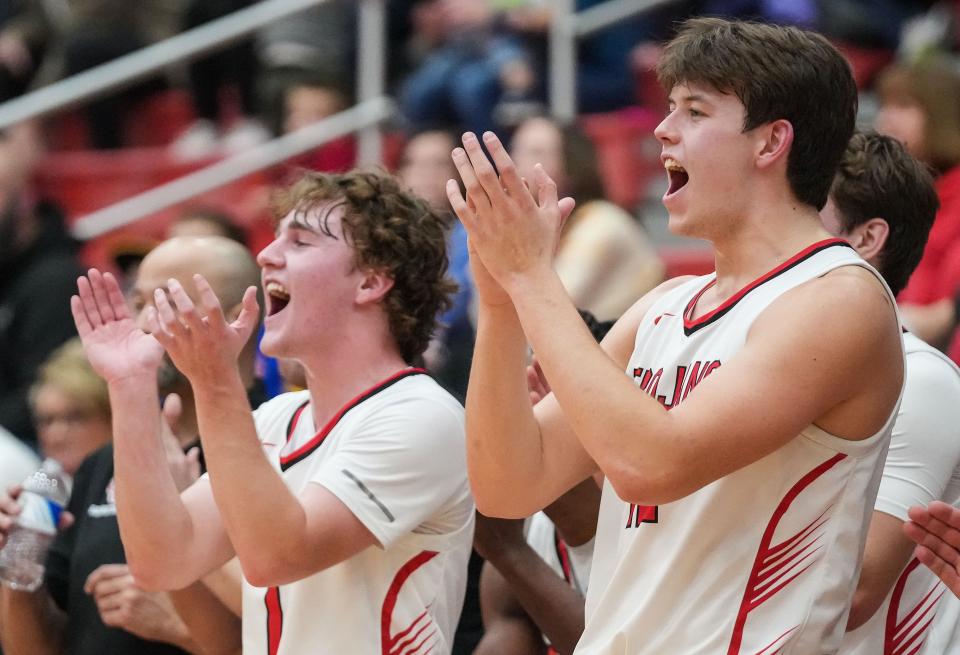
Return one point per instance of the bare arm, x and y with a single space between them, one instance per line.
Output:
170 541
308 533
211 624
837 336
30 624
887 552
507 630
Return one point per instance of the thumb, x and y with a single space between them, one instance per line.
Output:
566 205
249 313
193 463
172 410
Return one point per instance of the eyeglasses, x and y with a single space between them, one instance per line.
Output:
71 419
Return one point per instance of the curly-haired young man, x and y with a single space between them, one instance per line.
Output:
742 449
347 503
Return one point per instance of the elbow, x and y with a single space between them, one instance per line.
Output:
640 487
862 609
500 509
271 570
149 577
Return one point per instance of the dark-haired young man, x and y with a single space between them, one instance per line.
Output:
734 522
883 202
347 503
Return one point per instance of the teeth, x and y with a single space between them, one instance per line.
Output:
276 289
672 164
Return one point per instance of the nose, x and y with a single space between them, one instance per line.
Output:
270 255
666 131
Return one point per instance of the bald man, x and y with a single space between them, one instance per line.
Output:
90 603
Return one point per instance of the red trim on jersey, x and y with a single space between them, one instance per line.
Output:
564 556
274 619
286 461
761 583
895 633
390 645
292 425
691 325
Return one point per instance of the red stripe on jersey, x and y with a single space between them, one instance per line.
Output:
286 461
274 619
564 556
765 581
899 637
389 644
292 425
690 325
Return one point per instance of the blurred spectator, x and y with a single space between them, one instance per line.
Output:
82 34
16 460
311 97
37 261
425 167
210 76
461 81
90 604
71 407
311 48
802 13
918 106
605 260
206 222
22 45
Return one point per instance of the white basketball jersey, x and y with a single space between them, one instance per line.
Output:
395 456
923 465
761 561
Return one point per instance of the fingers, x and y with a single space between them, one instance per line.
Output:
115 297
249 314
186 313
546 187
940 568
193 463
104 573
566 205
477 200
66 520
484 172
80 317
509 177
100 295
172 411
208 299
89 303
459 204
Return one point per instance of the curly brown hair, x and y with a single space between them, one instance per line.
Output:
390 230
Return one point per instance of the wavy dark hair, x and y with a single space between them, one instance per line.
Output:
389 230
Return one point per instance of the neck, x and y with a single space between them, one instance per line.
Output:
762 242
337 375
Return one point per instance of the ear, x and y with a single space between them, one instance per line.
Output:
870 238
374 286
774 142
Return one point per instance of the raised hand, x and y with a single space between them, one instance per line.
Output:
936 530
122 604
512 231
10 510
199 340
184 467
115 346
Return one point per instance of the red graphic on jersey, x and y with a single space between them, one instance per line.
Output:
274 619
685 378
415 636
907 636
777 565
642 514
656 321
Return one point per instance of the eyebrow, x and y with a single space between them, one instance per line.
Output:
693 97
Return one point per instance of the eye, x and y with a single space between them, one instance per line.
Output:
696 113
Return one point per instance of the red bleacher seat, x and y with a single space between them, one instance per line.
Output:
627 150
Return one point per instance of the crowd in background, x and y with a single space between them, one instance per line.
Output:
454 65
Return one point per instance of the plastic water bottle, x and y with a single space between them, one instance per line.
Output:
45 494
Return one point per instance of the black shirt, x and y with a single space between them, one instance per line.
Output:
93 540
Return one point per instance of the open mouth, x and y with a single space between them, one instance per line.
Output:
677 176
277 297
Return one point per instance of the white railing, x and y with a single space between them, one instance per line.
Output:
566 28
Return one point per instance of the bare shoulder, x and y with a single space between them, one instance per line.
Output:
619 341
851 298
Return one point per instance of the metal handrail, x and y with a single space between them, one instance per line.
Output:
370 112
135 66
569 25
